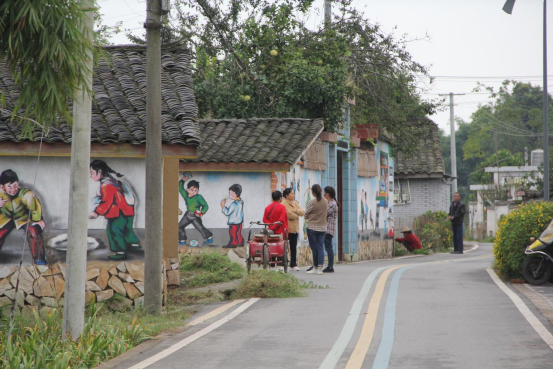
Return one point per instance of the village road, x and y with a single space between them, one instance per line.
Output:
439 311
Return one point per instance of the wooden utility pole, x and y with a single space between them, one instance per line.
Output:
153 284
73 310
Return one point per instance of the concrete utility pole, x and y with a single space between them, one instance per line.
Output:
452 137
73 310
328 11
153 284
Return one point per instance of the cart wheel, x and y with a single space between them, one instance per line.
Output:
265 256
285 257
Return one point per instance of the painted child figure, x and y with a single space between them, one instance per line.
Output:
21 208
196 207
234 210
115 202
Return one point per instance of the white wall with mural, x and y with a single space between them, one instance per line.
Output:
116 207
375 199
219 212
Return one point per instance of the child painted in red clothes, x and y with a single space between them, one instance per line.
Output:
409 240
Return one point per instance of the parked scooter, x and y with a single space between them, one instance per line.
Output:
538 267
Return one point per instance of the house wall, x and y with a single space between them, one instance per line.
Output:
375 220
214 188
426 194
494 214
52 189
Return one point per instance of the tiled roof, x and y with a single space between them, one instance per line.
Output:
427 159
256 140
119 100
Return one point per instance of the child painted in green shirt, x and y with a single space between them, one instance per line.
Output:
196 207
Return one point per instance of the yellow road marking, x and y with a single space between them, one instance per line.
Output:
358 356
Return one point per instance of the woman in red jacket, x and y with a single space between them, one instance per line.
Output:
116 203
409 240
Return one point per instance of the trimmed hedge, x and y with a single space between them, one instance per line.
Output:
513 235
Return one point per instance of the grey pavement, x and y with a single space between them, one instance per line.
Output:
449 315
545 291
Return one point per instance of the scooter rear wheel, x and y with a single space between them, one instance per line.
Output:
536 270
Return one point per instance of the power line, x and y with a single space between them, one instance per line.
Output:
483 77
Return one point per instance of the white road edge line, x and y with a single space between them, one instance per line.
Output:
188 340
524 310
215 312
476 247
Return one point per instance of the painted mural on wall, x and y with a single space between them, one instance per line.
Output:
233 207
20 209
115 201
217 208
196 208
39 214
375 212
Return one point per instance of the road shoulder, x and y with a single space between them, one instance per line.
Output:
544 306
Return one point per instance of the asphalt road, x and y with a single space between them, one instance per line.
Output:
439 311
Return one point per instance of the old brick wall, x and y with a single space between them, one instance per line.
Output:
426 194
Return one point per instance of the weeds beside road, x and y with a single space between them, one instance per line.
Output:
37 341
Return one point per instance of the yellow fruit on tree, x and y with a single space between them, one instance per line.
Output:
247 98
274 52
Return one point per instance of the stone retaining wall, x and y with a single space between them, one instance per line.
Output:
45 285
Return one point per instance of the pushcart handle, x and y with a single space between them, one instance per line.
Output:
266 224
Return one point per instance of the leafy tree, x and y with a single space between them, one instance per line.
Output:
503 158
259 58
513 121
42 43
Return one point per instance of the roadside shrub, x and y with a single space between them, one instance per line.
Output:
37 342
434 230
269 284
514 231
400 250
208 268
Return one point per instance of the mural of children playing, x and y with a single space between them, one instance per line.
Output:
196 207
20 208
233 208
116 203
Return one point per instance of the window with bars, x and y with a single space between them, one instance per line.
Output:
402 193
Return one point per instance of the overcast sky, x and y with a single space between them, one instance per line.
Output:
469 41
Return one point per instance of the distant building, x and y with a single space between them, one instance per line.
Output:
509 187
420 180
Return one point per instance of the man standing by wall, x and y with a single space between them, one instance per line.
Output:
457 212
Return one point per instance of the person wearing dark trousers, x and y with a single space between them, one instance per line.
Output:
315 217
294 212
457 212
331 217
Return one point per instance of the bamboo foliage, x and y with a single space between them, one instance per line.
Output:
42 43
